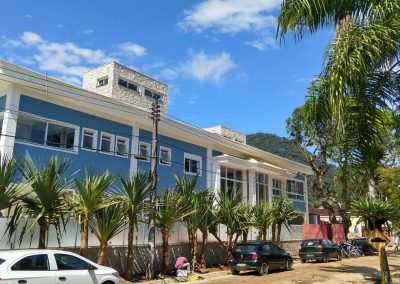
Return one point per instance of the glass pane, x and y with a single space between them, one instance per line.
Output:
39 262
30 130
239 175
193 166
123 83
230 173
122 147
144 150
69 262
87 140
187 165
60 136
223 171
165 158
105 144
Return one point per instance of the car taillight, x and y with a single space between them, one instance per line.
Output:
255 256
320 247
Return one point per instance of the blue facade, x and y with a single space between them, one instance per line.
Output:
178 149
93 161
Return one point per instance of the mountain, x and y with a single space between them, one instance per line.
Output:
274 144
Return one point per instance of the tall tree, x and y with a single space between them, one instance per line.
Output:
134 192
47 199
90 196
262 218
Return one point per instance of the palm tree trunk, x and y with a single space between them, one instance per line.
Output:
191 242
195 250
129 262
42 233
278 235
264 234
165 255
83 251
202 263
101 257
273 228
229 238
245 234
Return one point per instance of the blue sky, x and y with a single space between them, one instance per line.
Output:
220 58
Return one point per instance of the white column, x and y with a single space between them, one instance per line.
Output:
306 199
9 127
252 187
209 168
134 149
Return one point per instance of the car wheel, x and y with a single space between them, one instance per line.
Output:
325 259
108 282
235 272
302 260
289 264
263 270
339 256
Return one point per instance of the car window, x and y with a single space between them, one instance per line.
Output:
38 262
326 243
275 249
69 262
245 248
309 243
1 261
266 248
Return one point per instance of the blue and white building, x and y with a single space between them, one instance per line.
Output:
106 123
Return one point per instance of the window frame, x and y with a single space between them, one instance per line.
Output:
73 256
112 143
128 82
170 156
266 187
101 80
126 139
295 195
280 189
235 179
193 158
95 138
46 121
31 255
149 151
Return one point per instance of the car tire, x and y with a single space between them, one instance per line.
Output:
235 272
339 256
302 260
289 265
325 259
108 282
263 270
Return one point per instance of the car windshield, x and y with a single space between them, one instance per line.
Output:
246 248
309 243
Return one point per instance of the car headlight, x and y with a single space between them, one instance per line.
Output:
116 274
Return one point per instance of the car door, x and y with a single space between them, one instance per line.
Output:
31 269
72 270
279 260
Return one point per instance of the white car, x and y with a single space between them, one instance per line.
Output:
52 267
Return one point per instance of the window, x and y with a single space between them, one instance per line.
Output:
192 164
36 131
69 262
165 156
60 136
152 94
102 82
261 187
121 148
144 150
89 139
231 181
39 262
127 84
107 143
276 187
295 189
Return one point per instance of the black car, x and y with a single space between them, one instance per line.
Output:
364 246
319 249
259 256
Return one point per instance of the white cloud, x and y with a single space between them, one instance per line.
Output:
9 43
31 38
132 49
169 73
264 43
206 67
230 16
87 31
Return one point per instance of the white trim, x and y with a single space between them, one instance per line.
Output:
194 158
147 160
126 140
133 165
112 143
170 156
95 141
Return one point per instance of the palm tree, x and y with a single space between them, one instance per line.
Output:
47 199
106 224
262 218
10 191
283 211
206 223
172 208
134 191
185 187
90 196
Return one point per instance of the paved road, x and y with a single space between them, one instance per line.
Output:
355 270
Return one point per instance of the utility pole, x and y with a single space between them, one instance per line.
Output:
151 240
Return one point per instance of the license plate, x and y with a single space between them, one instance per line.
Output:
310 255
241 264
